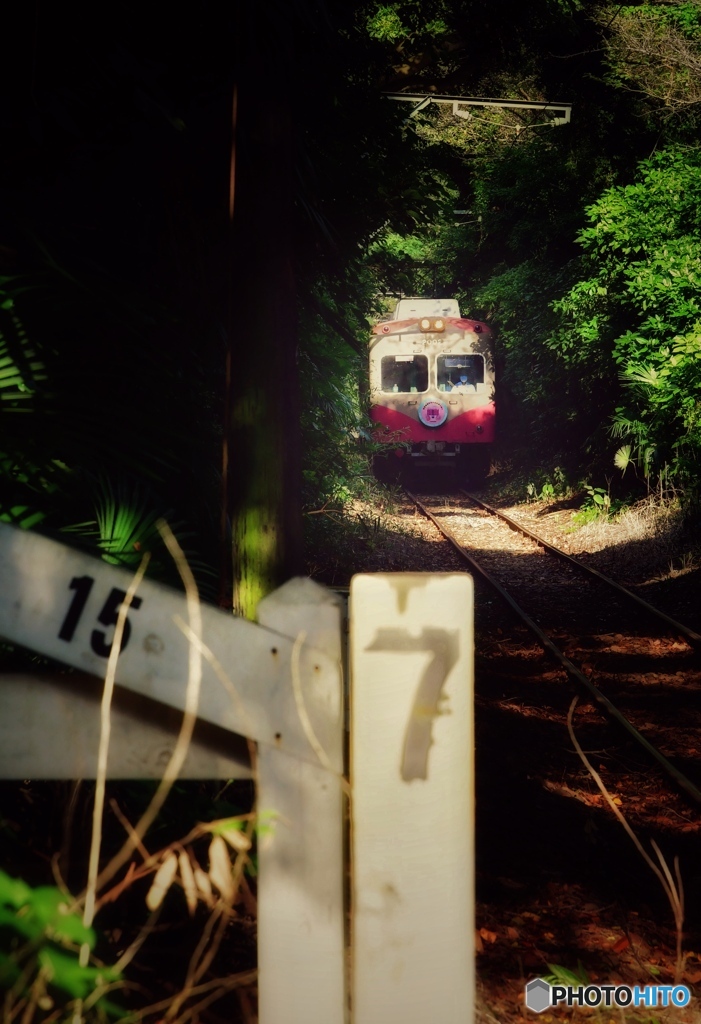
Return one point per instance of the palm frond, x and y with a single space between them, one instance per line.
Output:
622 458
125 521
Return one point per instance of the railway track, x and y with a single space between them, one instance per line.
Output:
607 639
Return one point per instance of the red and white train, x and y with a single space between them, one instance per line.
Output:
432 389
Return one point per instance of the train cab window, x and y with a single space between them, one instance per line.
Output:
404 373
460 373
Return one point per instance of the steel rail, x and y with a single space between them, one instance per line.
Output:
562 658
693 638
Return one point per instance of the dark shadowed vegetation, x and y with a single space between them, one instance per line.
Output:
201 217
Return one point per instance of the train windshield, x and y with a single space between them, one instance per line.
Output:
461 371
405 373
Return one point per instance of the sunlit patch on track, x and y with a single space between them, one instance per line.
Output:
585 622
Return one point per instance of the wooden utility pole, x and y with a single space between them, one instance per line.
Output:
262 446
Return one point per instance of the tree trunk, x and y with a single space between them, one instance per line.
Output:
264 436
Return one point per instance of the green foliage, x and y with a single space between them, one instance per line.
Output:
20 369
547 485
405 21
21 373
597 505
637 315
386 24
622 458
334 430
686 16
36 912
564 976
40 940
598 497
338 446
589 513
69 446
125 528
412 263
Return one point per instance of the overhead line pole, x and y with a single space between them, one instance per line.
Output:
561 111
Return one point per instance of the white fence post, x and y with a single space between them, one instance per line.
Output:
301 941
412 828
63 603
412 858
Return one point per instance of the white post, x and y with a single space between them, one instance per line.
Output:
301 944
412 827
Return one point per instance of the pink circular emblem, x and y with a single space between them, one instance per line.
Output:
433 413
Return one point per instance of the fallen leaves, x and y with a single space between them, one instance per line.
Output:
220 868
584 797
558 925
162 881
197 884
187 877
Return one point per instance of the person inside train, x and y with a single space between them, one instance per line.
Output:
465 385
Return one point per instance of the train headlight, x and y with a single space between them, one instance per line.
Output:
427 323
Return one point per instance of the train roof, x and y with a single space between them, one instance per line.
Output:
407 309
397 328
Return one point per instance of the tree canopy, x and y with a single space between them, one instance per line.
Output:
141 326
201 215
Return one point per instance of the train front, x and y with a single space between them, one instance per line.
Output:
432 388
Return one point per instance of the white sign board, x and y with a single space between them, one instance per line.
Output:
412 817
64 604
281 692
50 729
